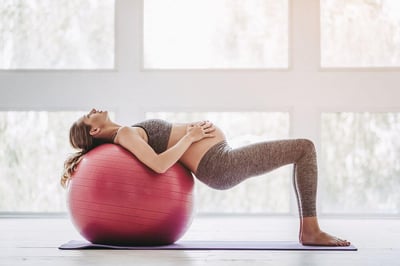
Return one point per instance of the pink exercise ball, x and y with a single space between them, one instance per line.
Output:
115 199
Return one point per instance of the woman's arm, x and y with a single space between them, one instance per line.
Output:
160 163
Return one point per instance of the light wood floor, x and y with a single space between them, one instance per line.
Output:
35 241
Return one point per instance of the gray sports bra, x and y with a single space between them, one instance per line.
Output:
158 132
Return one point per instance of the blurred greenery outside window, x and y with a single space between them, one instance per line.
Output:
241 34
360 33
62 34
360 166
34 145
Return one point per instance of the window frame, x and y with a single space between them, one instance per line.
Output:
305 89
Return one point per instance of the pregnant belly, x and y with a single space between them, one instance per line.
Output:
192 157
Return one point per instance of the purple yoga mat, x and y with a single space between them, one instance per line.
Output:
210 245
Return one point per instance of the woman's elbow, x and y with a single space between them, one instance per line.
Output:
159 169
159 166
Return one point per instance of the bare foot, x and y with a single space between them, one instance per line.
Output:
321 238
312 235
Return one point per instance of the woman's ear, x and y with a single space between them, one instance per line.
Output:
94 131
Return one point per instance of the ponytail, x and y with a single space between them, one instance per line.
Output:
80 139
70 165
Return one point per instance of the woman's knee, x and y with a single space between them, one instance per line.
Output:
307 145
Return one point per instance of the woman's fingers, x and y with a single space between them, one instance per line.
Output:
204 129
207 124
209 129
203 123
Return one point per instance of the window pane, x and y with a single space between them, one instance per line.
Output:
360 163
269 193
190 34
34 146
360 33
62 34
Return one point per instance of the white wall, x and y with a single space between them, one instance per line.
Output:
304 89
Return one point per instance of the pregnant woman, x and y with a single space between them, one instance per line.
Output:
203 149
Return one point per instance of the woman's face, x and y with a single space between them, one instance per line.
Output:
95 118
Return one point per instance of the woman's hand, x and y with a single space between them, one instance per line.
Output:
200 130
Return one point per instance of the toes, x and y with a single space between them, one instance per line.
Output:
341 242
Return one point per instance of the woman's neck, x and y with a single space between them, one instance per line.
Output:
109 132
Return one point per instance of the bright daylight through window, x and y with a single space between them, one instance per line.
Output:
34 146
360 163
62 34
212 34
360 33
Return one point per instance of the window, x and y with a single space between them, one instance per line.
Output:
360 163
360 33
62 34
34 146
209 34
270 193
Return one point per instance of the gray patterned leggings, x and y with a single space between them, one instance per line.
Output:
223 167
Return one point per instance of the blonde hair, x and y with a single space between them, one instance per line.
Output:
80 139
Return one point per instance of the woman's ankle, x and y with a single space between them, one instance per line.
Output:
310 225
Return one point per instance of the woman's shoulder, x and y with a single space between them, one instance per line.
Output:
128 132
124 130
